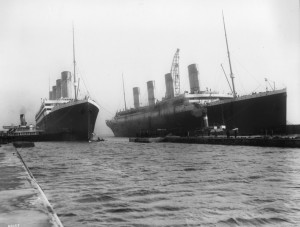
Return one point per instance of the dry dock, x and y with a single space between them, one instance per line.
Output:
22 201
261 141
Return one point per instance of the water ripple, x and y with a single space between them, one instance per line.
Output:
117 183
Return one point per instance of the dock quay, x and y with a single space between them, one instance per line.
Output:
262 141
22 201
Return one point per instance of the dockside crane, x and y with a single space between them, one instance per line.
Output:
175 73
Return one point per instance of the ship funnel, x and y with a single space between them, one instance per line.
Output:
58 89
151 92
22 120
54 92
169 86
136 97
50 95
193 78
66 84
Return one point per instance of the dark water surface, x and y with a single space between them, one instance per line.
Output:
117 183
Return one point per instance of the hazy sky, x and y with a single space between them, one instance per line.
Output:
139 38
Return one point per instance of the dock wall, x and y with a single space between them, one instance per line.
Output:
240 141
23 203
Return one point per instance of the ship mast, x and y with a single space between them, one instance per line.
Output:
231 73
124 92
74 65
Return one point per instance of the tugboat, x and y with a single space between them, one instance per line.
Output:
21 132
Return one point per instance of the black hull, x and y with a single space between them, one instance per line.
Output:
73 122
177 124
252 115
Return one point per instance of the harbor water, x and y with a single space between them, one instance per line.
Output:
118 183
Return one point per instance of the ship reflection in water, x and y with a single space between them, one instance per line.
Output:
117 183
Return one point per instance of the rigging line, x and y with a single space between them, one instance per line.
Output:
87 88
106 110
91 93
240 82
94 98
102 107
256 88
84 83
226 78
236 59
81 75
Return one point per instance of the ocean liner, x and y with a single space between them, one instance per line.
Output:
197 110
64 116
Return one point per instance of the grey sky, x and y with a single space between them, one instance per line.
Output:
139 38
